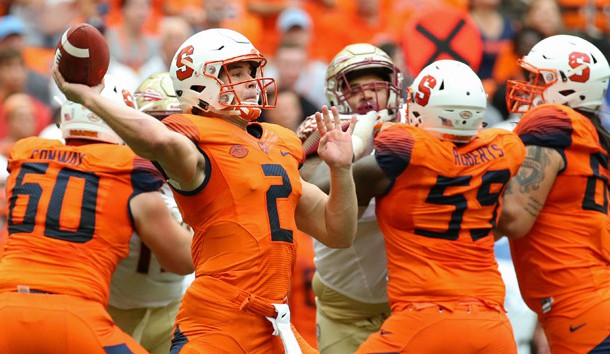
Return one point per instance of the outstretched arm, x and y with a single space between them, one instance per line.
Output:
145 135
526 193
338 209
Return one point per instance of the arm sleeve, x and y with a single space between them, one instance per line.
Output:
546 126
145 177
393 149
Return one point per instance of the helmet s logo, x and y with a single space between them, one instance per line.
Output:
422 95
184 71
579 61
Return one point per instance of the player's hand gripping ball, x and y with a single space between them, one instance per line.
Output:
82 55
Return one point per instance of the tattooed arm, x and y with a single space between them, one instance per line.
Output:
527 191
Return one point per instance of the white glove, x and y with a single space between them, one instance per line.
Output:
362 137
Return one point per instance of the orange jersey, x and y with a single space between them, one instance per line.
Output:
69 219
567 251
243 215
438 215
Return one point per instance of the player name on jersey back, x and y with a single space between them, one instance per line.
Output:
478 156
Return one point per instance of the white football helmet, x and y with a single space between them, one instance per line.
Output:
447 99
358 59
563 69
156 96
78 122
198 63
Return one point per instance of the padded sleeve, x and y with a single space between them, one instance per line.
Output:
393 150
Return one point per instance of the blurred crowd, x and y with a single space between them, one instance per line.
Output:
299 38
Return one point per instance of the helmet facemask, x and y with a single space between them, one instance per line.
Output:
358 60
348 91
521 95
228 97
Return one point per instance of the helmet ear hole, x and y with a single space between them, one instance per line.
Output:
197 88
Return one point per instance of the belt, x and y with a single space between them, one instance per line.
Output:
244 300
22 289
460 304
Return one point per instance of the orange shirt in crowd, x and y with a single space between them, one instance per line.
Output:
574 14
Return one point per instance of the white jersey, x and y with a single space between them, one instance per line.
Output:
360 271
139 281
508 124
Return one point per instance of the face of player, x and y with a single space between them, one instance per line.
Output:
368 92
241 77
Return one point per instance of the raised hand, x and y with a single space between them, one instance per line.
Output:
76 93
335 146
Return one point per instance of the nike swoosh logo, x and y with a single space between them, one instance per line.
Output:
576 328
284 153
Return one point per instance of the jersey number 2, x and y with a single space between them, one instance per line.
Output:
33 191
277 191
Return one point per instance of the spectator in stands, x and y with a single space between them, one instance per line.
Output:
13 80
293 69
545 16
128 43
12 30
173 31
20 116
290 109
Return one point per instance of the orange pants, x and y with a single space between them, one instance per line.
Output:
423 329
50 323
210 321
587 332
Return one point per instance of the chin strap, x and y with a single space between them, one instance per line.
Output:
249 113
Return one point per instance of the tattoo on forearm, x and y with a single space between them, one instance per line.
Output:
533 206
531 173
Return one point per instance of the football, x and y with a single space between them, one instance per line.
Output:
82 55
